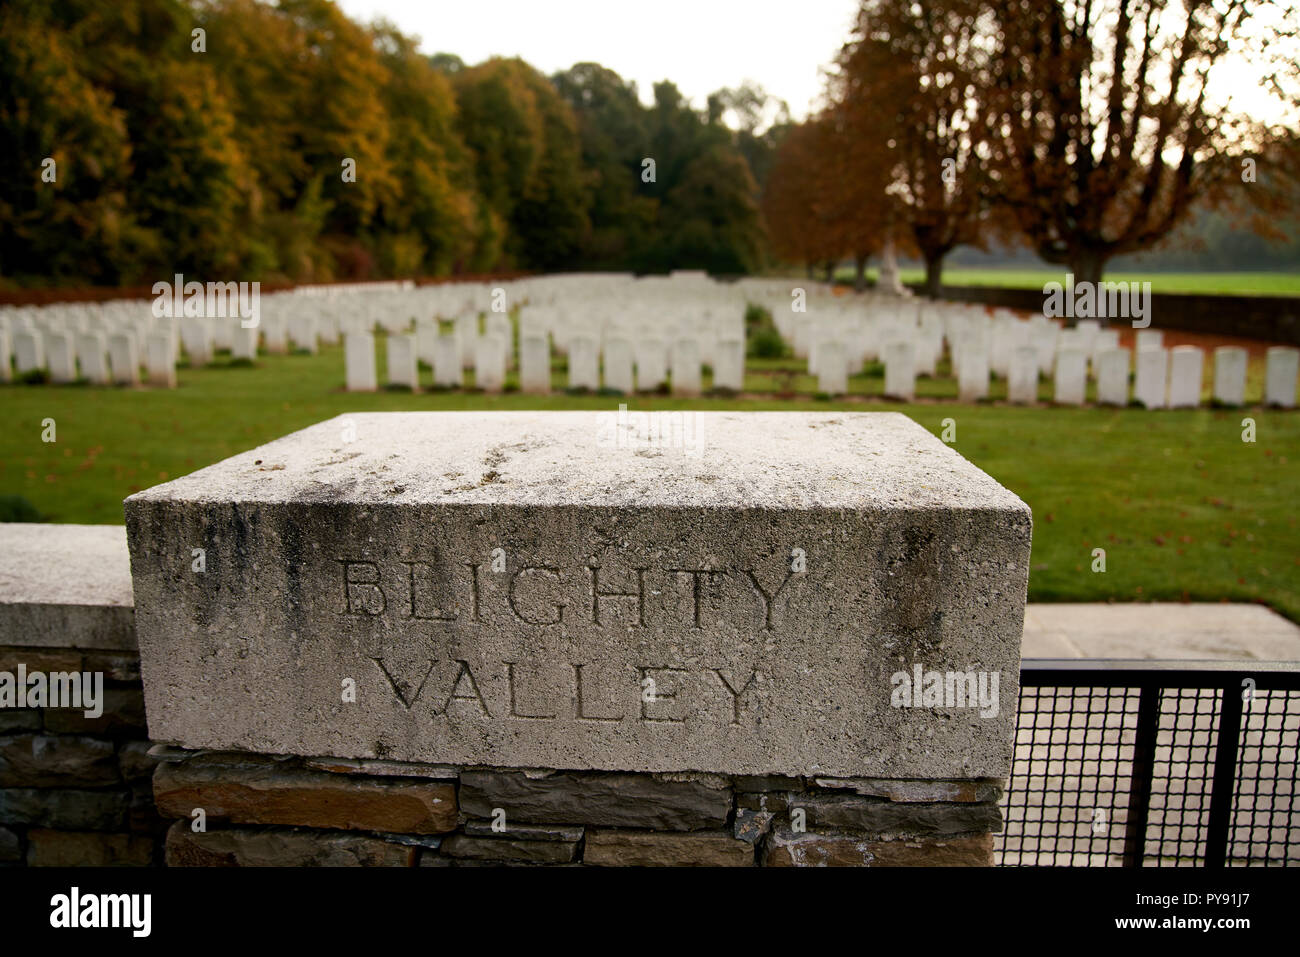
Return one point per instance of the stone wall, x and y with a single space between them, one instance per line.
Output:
264 810
74 790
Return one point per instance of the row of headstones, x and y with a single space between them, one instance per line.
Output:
1162 378
628 366
97 357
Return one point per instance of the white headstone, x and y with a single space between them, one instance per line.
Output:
686 367
584 369
448 373
1071 377
196 337
651 364
489 363
832 373
302 333
160 359
973 376
1230 375
1104 339
243 343
729 365
275 335
402 368
534 363
1149 382
618 365
1112 377
359 362
92 354
1185 377
6 355
61 357
1280 376
900 369
29 351
1022 375
123 358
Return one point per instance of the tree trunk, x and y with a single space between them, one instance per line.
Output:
809 267
934 275
830 272
859 273
1087 266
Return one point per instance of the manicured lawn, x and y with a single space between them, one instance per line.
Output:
1224 283
1183 507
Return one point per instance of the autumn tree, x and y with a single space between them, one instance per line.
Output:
1114 119
911 79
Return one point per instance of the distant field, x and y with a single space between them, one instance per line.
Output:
1211 283
1183 507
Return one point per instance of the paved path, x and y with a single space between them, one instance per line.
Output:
1218 632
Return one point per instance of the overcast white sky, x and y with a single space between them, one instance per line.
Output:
701 45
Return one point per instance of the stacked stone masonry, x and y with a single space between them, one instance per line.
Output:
233 809
75 790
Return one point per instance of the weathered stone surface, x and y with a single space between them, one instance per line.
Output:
241 847
261 794
526 832
123 715
509 849
43 761
11 850
787 849
65 586
609 800
877 816
70 810
87 849
373 560
965 792
642 849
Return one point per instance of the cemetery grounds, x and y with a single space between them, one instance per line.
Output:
1183 507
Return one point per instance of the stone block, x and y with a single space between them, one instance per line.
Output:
46 848
642 849
501 591
65 586
240 847
276 794
607 800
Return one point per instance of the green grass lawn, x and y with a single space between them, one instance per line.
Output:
1214 283
1183 507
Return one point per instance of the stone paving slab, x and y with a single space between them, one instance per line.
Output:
1168 630
64 586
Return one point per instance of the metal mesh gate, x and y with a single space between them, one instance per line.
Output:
1154 763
